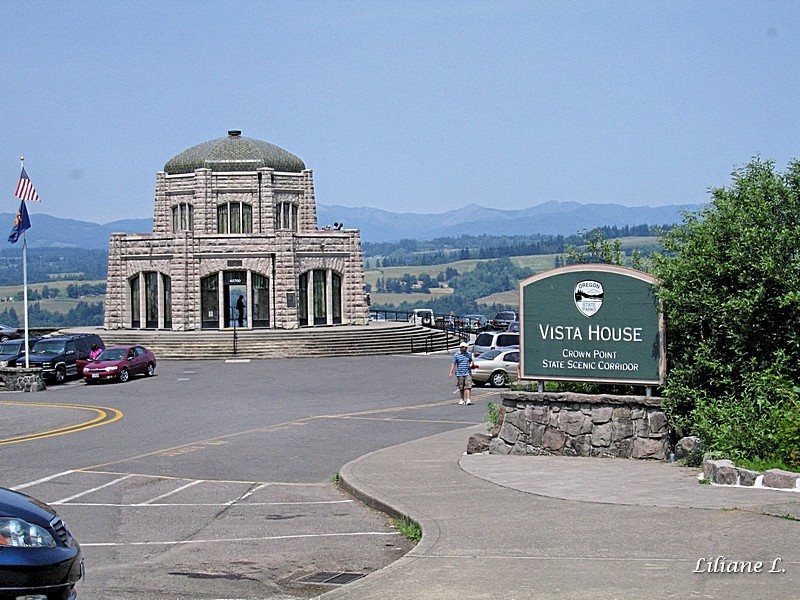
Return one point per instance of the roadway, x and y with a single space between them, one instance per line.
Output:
215 480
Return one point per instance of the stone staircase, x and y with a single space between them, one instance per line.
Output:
345 340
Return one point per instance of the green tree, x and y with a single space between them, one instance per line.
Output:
730 281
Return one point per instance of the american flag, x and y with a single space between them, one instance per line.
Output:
25 189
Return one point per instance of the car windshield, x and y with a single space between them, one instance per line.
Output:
49 347
488 355
113 354
10 347
508 316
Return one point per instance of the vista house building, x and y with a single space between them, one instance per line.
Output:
235 218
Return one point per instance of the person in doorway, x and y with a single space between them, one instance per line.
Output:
462 366
240 310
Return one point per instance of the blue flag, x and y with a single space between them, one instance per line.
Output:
21 224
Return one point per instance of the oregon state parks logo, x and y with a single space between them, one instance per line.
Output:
589 297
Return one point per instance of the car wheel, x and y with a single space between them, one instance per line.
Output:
124 375
498 379
61 375
151 370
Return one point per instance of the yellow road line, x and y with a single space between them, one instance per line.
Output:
104 416
199 444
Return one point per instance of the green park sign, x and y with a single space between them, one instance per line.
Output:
592 323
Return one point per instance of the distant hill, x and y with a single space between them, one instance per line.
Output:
550 218
376 225
54 232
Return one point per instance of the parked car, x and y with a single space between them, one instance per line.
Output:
490 340
475 323
12 352
120 363
39 557
496 367
502 319
421 316
7 332
513 327
63 357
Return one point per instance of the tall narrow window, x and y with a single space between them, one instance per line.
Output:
209 301
183 217
234 217
167 302
260 301
336 297
134 286
302 299
320 298
286 214
151 299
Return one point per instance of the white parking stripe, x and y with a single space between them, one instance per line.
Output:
229 503
42 480
247 539
100 487
183 487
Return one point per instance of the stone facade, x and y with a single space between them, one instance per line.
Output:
218 234
542 423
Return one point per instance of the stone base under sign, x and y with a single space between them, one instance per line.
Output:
563 423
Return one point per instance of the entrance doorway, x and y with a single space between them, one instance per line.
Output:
235 298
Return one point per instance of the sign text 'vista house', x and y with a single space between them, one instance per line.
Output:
592 323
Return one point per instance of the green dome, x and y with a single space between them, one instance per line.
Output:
234 153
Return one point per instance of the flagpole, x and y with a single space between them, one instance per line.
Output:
25 280
25 292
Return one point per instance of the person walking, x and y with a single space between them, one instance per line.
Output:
461 366
240 310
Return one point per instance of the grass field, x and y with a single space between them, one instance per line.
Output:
62 304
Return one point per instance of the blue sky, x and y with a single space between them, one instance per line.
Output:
409 106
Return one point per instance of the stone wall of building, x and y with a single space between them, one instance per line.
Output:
187 257
280 255
541 423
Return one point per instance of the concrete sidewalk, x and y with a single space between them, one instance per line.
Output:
521 528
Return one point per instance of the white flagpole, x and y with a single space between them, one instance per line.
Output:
25 279
25 292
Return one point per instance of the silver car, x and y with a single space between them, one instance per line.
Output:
7 332
496 367
490 340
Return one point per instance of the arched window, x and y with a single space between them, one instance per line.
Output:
183 217
234 217
286 216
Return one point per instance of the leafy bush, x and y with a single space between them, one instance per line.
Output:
730 281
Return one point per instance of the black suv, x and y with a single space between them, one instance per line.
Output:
62 357
502 319
12 352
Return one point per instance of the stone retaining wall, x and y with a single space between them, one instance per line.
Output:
725 472
563 423
22 380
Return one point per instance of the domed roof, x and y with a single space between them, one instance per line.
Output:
234 153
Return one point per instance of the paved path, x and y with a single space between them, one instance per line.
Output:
507 527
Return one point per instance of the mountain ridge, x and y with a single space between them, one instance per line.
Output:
379 225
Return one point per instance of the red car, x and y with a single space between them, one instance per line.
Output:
120 363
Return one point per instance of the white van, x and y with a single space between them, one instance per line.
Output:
421 316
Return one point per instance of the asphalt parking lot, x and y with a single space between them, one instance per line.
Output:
214 480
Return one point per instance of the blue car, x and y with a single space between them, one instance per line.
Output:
39 558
